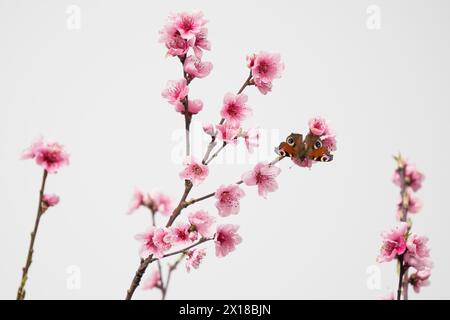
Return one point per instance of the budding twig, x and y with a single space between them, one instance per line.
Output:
40 211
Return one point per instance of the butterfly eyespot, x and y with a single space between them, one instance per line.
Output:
282 153
326 158
317 144
290 141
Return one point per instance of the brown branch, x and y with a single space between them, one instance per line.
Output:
187 115
40 211
181 205
403 270
138 276
187 188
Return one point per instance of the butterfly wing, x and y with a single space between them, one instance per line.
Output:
315 150
293 146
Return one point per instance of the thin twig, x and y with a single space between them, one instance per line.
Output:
212 194
40 211
172 268
216 153
212 143
210 148
199 242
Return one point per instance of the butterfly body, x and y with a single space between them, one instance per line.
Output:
311 147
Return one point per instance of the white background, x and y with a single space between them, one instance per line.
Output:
97 91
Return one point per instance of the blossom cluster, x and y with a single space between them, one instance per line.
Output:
51 156
155 201
185 37
410 249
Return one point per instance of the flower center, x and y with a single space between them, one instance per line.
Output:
51 156
263 68
197 170
187 24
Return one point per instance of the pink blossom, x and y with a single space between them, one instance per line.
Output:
250 60
194 171
263 175
263 87
330 143
226 239
202 222
318 126
153 281
235 109
228 198
201 42
413 177
181 234
176 45
267 67
417 262
176 90
154 241
194 258
136 201
162 240
227 132
420 279
148 245
305 163
251 138
188 24
394 243
208 128
418 246
414 203
34 149
50 200
161 203
194 106
50 156
196 68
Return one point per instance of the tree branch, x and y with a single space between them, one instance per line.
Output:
40 211
403 270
